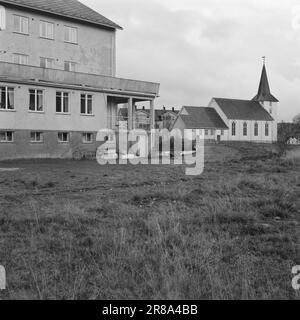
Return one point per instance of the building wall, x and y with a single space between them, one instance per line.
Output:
94 53
250 132
22 148
239 128
23 119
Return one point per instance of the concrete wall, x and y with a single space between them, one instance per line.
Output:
22 119
94 53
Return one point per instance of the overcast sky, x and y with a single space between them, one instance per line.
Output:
199 49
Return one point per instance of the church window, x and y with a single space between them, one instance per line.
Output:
256 129
267 129
233 129
245 129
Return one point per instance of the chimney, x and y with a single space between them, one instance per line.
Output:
173 109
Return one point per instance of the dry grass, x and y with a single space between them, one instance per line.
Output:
74 230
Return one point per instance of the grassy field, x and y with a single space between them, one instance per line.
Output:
76 230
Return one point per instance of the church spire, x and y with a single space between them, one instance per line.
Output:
264 92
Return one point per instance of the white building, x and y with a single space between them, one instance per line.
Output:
241 120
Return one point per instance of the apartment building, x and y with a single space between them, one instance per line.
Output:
58 83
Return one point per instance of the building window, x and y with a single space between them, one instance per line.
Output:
46 30
21 24
46 63
71 34
233 129
270 111
271 104
36 100
267 130
212 132
245 129
7 98
6 136
206 132
62 102
36 137
63 137
70 66
87 137
20 58
256 129
222 132
86 104
2 18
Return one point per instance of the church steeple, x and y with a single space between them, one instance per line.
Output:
264 92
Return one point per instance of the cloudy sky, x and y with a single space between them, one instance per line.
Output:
199 49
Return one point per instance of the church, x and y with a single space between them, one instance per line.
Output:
253 120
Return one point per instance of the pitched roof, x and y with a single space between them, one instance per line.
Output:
202 118
66 8
243 110
264 92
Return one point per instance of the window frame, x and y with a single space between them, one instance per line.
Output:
6 140
87 95
245 129
85 134
267 129
63 141
70 63
21 55
21 18
67 27
36 100
47 23
256 129
35 135
233 129
46 62
7 88
62 97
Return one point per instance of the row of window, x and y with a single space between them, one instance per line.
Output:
38 137
47 63
21 25
36 101
245 129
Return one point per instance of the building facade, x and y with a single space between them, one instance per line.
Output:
253 120
58 83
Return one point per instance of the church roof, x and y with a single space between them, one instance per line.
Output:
264 92
202 118
243 110
66 8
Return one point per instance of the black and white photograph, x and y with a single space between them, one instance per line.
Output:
149 151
